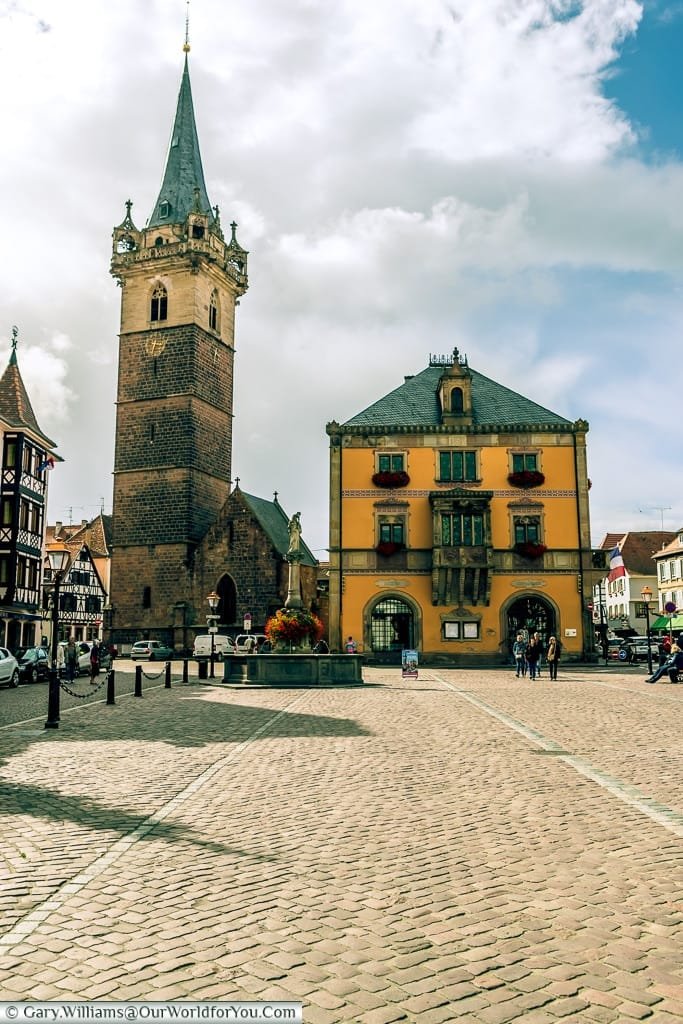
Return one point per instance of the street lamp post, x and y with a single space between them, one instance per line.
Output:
214 601
59 559
646 595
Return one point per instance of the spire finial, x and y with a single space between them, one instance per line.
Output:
186 44
15 340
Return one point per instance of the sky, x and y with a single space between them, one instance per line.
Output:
504 176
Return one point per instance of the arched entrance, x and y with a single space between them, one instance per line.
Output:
392 626
227 606
529 615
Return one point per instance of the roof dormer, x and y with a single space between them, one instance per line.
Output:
454 389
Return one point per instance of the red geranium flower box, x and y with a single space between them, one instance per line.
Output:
397 478
388 547
527 549
526 478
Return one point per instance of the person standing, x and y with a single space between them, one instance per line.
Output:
71 659
533 653
94 661
350 647
552 656
539 641
518 653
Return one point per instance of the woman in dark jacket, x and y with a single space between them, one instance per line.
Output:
533 653
553 656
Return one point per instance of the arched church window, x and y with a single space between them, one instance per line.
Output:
159 305
214 319
158 241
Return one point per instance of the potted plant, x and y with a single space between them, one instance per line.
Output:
530 549
526 478
293 629
391 478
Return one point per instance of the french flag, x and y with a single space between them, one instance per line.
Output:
616 565
48 463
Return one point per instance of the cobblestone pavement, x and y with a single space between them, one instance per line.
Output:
465 846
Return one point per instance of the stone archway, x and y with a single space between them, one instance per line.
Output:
391 625
529 614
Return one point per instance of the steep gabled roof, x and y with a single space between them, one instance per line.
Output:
638 548
184 172
415 404
15 407
275 523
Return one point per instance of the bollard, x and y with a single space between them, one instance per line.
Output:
110 687
203 670
185 670
138 681
167 682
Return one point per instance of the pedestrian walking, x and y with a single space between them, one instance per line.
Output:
552 656
539 641
519 654
533 653
61 661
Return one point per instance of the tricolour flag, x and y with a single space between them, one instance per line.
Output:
616 565
48 463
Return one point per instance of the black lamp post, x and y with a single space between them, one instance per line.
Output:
214 601
646 595
59 559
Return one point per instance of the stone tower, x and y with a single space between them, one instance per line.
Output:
180 282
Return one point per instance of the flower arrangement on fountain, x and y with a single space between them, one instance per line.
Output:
293 628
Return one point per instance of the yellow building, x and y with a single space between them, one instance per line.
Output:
458 516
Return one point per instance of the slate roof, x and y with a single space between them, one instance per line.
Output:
184 170
415 404
275 523
15 407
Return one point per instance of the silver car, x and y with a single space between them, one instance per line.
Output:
9 668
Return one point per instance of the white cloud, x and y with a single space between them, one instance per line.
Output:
408 175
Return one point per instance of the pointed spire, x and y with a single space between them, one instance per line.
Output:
184 173
15 405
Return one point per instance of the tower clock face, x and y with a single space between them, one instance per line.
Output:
155 345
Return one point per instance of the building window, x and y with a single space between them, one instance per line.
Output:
4 570
213 311
10 454
391 533
457 466
462 529
7 509
391 463
527 529
164 209
159 305
457 400
522 461
93 604
146 597
461 631
197 230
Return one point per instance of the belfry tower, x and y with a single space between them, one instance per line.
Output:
180 283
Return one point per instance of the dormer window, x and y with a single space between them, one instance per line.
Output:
164 209
159 304
158 241
457 401
214 319
197 230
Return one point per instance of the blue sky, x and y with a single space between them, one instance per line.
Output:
408 175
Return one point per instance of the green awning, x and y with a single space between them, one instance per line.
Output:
666 621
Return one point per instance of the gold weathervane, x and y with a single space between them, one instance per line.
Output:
186 44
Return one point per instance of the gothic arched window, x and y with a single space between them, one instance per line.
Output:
159 304
214 318
457 400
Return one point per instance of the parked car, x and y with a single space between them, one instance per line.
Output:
201 650
244 642
9 668
34 664
635 648
150 650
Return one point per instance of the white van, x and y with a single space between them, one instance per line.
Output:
221 645
245 642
